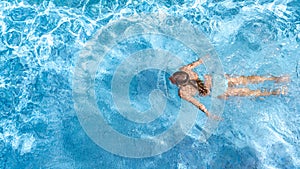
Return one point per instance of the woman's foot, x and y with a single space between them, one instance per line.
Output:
282 91
282 79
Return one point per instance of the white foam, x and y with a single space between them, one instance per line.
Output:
28 142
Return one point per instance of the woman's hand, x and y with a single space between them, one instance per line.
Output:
213 117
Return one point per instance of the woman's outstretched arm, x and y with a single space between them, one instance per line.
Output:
196 103
194 64
199 106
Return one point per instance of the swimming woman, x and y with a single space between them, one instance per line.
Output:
190 85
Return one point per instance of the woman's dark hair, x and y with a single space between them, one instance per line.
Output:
181 77
203 91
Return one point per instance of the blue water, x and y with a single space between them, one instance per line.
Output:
40 42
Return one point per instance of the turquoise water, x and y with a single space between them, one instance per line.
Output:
40 42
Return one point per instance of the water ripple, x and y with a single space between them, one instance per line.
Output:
38 45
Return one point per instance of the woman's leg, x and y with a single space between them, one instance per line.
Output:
244 80
247 92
